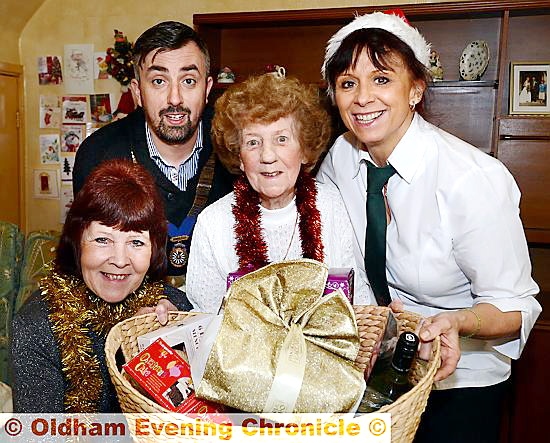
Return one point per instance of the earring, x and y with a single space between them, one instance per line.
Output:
412 105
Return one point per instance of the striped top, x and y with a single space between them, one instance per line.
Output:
187 170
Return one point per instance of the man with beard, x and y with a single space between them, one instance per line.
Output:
168 133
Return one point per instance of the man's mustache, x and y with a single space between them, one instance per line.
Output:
174 110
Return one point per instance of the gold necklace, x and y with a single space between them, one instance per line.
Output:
291 238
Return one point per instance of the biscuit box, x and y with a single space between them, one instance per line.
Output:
338 278
166 376
188 330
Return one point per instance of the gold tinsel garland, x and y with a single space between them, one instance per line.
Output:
74 311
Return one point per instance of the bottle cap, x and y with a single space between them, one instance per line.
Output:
405 350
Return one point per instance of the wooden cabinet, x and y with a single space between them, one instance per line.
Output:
477 111
248 41
524 147
528 411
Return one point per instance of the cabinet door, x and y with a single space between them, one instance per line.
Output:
445 98
527 160
531 390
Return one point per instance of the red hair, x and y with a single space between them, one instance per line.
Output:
118 194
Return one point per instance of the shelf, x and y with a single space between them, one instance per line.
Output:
436 84
465 84
218 85
320 84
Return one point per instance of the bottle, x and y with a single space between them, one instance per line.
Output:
387 383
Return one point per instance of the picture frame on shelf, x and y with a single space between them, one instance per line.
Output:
529 88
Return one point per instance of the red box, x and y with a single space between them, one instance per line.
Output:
167 377
338 278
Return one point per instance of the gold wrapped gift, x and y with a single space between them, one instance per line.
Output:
283 346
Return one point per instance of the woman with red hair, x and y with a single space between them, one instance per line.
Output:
109 266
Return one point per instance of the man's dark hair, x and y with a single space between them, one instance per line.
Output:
167 36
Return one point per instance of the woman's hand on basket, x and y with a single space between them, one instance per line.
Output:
446 327
396 306
161 309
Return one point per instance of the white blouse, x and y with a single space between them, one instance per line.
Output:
455 237
213 254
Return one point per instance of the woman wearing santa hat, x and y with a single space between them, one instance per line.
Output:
450 244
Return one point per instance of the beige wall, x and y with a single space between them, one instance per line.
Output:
9 50
60 22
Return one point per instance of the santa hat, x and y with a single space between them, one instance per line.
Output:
393 21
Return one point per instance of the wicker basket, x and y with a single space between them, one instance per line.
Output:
371 321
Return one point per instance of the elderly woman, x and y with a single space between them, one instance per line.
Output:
454 249
110 264
272 130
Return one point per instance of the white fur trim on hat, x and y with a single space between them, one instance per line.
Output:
389 22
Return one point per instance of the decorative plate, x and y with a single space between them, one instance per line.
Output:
474 60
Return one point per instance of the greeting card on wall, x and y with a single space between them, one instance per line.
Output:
49 70
100 66
75 109
46 183
100 108
71 137
67 166
49 148
50 111
66 197
79 69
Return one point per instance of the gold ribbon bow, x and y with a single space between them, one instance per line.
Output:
283 346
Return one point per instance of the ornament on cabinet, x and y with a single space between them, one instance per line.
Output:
226 75
474 60
276 70
435 66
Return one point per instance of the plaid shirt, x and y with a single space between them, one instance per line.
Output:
186 171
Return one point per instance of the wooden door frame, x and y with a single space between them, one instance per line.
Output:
16 71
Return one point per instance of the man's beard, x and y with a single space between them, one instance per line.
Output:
175 134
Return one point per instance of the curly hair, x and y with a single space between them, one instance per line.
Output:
266 99
122 195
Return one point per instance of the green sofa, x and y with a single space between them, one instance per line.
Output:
23 262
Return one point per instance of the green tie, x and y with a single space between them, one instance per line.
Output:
375 239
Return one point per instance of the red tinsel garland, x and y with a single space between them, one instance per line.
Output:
251 247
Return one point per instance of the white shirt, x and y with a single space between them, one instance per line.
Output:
187 169
213 254
455 237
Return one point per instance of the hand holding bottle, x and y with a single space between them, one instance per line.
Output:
446 327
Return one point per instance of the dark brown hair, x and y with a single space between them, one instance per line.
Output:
266 99
382 47
118 194
167 36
